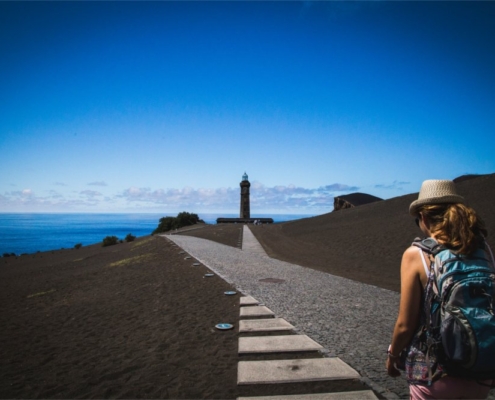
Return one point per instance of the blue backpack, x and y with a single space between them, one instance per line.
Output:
461 326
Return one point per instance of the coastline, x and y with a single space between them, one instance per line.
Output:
29 233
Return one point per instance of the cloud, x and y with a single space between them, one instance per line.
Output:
338 187
264 199
55 195
280 197
27 200
90 193
97 183
395 185
186 197
20 194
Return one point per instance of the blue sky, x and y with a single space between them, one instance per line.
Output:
162 106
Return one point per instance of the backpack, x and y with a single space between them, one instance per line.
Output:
460 320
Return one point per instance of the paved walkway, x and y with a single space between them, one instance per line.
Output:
352 320
285 371
250 243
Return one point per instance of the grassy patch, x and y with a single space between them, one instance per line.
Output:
132 260
41 293
142 242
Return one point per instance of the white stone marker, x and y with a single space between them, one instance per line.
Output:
264 325
249 301
306 370
256 311
358 394
277 344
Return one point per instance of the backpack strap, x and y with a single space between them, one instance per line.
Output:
429 245
423 259
491 253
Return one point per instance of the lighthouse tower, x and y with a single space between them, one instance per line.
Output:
245 208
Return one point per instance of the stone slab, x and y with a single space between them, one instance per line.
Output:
264 325
286 371
277 344
256 311
358 394
249 301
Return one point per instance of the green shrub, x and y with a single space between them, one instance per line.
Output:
110 241
78 246
130 238
183 219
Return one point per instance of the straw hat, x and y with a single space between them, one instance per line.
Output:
435 192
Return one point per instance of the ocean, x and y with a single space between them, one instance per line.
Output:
32 232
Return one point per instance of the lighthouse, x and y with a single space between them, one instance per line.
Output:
245 208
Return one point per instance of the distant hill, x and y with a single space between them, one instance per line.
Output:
463 178
353 200
366 243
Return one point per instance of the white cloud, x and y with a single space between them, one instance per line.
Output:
277 199
281 198
97 183
90 193
55 195
186 197
27 201
395 185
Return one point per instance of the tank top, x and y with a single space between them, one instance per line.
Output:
421 365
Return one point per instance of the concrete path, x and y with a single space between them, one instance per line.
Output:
287 370
306 370
256 311
264 325
359 395
250 243
352 320
277 344
248 301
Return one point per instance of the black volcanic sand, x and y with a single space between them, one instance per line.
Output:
365 243
134 320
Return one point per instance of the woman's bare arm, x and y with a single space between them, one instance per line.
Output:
412 275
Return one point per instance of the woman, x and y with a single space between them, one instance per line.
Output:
442 215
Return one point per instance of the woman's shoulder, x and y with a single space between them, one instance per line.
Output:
411 253
414 263
412 258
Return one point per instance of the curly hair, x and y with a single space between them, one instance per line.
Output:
457 226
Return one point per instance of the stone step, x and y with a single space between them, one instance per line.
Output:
249 301
277 344
264 325
358 394
285 371
256 311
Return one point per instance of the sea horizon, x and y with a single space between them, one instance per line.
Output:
32 232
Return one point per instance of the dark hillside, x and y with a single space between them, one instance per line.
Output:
365 243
